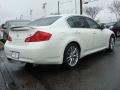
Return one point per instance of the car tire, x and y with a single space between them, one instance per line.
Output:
118 34
111 43
71 55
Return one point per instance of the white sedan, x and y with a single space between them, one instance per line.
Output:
62 39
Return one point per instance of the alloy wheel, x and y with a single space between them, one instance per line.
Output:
72 55
112 43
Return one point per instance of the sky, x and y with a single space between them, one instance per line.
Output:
13 9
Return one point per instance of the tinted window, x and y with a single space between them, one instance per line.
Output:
77 22
117 24
44 21
70 22
92 23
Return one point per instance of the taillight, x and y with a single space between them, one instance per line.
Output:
39 36
9 38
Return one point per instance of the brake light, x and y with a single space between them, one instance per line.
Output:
39 36
9 38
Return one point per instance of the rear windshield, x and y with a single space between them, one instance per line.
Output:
44 21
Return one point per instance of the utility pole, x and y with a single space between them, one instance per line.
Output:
75 7
31 14
21 17
58 8
81 7
44 8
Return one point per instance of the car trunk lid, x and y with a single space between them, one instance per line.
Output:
19 34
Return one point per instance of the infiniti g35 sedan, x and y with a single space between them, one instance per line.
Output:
62 39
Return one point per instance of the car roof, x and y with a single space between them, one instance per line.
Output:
65 15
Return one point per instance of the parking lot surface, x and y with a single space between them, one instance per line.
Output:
99 71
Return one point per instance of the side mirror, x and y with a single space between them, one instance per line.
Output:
102 26
3 26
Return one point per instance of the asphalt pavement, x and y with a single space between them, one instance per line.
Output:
99 71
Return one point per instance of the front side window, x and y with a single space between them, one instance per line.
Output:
92 23
77 22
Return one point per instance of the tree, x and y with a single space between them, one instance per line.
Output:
92 11
115 8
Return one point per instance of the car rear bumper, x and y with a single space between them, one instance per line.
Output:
38 54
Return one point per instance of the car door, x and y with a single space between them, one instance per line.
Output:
99 35
82 32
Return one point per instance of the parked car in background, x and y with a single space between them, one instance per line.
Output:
116 29
109 25
13 23
62 39
1 33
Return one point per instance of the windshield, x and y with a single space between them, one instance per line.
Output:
117 24
44 21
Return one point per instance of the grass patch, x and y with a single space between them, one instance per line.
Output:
1 44
3 41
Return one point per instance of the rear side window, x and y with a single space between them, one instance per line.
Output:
77 22
44 21
92 23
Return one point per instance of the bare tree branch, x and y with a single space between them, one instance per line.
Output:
115 8
92 11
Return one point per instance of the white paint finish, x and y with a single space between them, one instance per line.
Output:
51 52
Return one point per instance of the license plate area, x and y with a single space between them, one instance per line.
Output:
15 55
